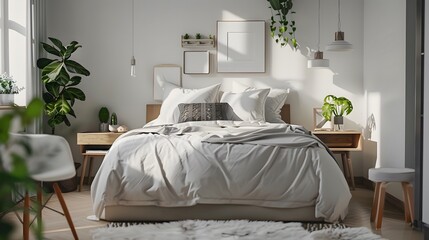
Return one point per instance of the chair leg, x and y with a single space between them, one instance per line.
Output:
65 210
375 201
82 175
408 202
380 205
39 207
26 217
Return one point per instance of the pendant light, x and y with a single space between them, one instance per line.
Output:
318 61
339 45
133 60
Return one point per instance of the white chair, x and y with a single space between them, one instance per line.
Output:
50 161
383 176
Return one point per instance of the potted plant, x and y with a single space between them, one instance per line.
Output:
60 76
186 36
198 36
103 116
8 89
282 25
337 106
113 127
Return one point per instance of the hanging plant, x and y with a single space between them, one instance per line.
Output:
282 25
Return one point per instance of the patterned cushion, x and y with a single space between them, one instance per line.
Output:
202 111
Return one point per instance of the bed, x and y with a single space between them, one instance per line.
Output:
198 170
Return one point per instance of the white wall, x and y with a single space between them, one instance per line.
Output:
103 27
384 83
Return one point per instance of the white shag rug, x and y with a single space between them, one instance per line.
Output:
228 230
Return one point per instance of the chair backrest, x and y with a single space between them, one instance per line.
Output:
50 158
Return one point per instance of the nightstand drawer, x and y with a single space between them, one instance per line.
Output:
99 138
348 140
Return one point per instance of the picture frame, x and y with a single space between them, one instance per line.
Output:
168 73
196 62
319 122
241 46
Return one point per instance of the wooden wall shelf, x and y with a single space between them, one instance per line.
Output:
198 43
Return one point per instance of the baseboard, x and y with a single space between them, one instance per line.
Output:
368 184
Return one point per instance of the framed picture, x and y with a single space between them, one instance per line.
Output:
241 46
196 62
168 73
320 123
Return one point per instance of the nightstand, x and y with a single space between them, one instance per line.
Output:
343 142
93 144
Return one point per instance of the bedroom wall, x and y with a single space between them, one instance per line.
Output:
384 83
103 27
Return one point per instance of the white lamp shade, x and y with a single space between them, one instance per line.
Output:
318 63
339 46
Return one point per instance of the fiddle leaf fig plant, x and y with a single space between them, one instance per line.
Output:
337 106
282 25
60 76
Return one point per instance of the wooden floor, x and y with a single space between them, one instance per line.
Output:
79 204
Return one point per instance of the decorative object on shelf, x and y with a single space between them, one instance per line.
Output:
165 73
61 93
196 62
188 42
113 127
122 129
8 89
133 60
339 45
241 46
318 61
103 115
282 25
337 106
319 122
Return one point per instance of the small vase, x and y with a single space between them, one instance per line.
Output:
6 99
104 127
338 123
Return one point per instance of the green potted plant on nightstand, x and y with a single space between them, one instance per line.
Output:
103 116
338 107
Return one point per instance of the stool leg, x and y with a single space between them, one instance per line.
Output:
380 205
408 202
375 201
82 175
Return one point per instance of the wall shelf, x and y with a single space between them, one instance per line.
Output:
198 43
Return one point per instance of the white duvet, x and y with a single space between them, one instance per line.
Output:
270 165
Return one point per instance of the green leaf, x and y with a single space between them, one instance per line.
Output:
63 78
63 107
58 44
19 167
75 81
275 4
5 123
75 67
47 97
43 62
76 92
34 109
66 121
51 72
53 88
51 49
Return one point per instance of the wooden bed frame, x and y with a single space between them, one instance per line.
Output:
152 112
208 211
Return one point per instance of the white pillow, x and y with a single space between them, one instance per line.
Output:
174 95
246 106
275 101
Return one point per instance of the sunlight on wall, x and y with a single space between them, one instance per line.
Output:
227 15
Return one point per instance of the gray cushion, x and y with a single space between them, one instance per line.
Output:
391 174
202 111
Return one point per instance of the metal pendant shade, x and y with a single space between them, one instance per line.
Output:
339 45
318 61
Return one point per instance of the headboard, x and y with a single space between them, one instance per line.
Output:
152 112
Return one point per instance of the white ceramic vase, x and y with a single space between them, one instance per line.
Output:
6 99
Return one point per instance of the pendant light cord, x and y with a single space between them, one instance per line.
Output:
132 28
339 17
318 31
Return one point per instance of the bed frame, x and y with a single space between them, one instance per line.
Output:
208 211
152 112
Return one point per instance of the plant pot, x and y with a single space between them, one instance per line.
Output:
7 99
338 122
104 127
113 128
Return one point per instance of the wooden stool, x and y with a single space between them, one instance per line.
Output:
383 176
89 155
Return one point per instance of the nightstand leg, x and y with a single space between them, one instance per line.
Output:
350 165
82 175
345 166
91 160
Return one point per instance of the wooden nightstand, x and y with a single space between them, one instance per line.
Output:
93 144
343 142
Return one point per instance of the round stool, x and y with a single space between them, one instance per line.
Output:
383 176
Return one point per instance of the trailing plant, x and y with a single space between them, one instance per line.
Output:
103 115
282 25
18 173
60 76
337 106
8 85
